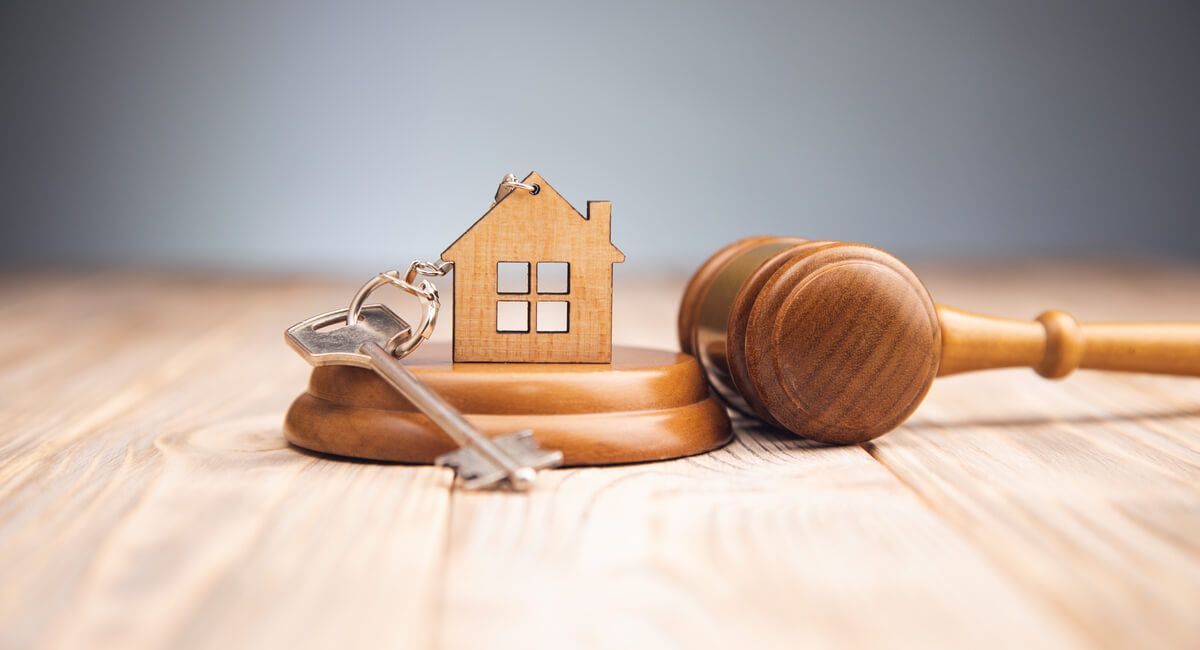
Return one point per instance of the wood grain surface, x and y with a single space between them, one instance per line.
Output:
148 499
840 343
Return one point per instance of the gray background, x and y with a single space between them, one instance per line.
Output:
356 135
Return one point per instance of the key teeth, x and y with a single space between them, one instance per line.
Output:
475 471
482 482
472 469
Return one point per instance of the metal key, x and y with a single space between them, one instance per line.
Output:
481 461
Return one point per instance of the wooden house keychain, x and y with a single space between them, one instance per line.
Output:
376 338
532 351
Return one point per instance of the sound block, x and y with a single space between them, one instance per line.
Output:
645 405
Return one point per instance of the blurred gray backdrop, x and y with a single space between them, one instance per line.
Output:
353 136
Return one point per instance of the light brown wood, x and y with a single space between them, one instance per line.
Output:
1083 485
646 405
840 342
148 499
1055 345
528 229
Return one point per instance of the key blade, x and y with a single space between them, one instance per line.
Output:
325 339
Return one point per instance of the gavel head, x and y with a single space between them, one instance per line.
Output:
835 342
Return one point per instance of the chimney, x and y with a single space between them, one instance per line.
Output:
600 213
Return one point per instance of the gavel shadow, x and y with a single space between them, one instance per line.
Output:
748 426
745 427
1164 415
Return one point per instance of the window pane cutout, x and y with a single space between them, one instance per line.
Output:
553 277
512 316
512 277
552 316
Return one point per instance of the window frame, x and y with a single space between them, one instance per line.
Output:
566 317
528 317
528 279
538 279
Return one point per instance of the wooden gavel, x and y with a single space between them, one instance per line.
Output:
840 342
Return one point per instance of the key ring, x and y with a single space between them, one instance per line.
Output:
518 185
510 183
426 292
430 269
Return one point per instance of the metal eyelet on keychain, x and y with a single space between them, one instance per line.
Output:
426 292
374 337
510 183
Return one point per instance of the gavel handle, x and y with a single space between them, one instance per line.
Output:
1056 344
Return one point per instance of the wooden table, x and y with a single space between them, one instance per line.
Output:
147 498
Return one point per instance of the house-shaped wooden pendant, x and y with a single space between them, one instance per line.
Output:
533 281
533 288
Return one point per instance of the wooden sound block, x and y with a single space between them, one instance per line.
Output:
645 405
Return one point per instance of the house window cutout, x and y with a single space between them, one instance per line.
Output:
553 277
512 316
553 316
512 277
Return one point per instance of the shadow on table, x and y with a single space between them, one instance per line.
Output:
744 426
748 426
312 453
1165 415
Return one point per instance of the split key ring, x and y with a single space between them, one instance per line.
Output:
426 292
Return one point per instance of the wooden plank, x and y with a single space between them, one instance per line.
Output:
770 542
146 498
179 517
1086 491
1089 515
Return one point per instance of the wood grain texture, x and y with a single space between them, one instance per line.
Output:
833 341
527 228
147 431
841 343
147 499
1086 485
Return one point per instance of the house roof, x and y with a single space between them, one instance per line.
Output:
546 191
